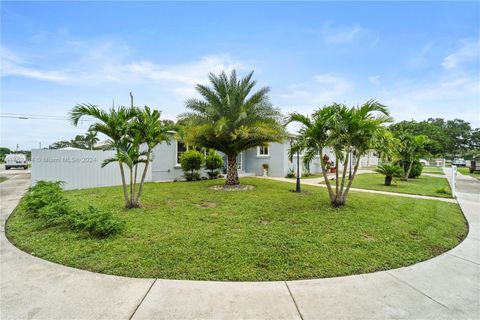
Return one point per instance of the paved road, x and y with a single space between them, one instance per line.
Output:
446 287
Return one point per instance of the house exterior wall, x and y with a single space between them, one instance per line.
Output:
164 163
78 169
276 160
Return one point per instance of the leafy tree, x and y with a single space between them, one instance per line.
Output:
390 171
231 119
191 162
411 149
213 161
345 130
128 130
91 138
115 123
151 131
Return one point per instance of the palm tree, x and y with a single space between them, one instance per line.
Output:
346 131
390 171
411 148
91 138
231 119
114 123
128 153
151 131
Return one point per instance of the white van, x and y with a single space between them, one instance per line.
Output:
16 161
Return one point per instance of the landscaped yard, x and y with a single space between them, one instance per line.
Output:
186 230
438 170
465 170
424 185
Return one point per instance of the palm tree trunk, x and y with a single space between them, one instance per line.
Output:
134 201
142 181
325 177
124 184
338 201
344 197
131 189
409 168
232 172
336 172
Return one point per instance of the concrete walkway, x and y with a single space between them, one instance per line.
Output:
445 287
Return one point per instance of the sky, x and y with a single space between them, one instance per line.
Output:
421 59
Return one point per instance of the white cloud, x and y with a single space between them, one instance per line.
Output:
374 80
469 50
322 89
100 66
449 97
342 34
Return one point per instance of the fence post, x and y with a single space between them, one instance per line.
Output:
454 180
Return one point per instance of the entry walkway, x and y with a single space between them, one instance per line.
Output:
445 287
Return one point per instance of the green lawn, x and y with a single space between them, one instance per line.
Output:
185 230
2 179
465 170
438 170
424 185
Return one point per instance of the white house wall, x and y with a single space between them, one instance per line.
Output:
78 169
164 164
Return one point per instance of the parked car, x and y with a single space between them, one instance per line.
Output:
475 164
17 160
459 162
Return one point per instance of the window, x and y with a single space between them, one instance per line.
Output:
263 151
181 148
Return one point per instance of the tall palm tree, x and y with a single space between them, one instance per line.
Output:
411 148
231 118
114 123
346 131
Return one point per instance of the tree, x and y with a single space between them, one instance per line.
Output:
151 131
213 161
390 171
231 119
346 131
115 124
411 148
91 138
191 162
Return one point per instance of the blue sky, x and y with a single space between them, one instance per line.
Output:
420 59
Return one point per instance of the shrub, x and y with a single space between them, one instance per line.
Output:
191 161
213 162
291 173
390 171
42 194
56 213
443 190
98 223
416 170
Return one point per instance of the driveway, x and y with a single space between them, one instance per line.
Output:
445 287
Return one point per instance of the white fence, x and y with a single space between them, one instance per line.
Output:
79 169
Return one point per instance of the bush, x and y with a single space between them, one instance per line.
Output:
97 223
46 201
390 171
191 161
416 170
56 213
213 162
291 173
42 194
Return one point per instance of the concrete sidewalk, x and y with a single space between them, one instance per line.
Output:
445 287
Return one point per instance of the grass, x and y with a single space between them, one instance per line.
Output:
185 230
465 170
310 176
2 179
438 170
424 185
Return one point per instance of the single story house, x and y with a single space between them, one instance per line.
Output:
80 169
